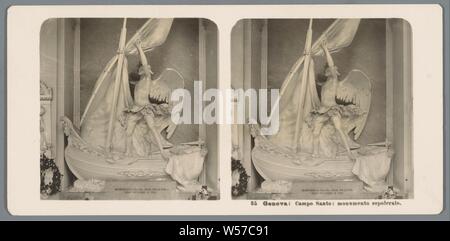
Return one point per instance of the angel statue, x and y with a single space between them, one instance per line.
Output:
151 111
344 107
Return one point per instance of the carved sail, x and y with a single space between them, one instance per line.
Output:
95 122
280 157
339 35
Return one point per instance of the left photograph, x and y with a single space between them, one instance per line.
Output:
108 113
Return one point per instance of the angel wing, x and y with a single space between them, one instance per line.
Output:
171 79
356 88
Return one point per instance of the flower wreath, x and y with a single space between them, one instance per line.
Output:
50 176
239 178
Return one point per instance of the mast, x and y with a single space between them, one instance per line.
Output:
100 80
304 80
298 63
116 84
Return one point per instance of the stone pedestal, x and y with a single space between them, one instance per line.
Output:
321 190
327 188
129 190
151 189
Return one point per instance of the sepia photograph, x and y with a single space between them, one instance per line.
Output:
342 109
105 120
285 111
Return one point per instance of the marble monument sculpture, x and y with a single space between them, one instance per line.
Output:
125 138
318 131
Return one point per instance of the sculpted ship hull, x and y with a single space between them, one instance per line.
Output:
88 162
275 164
88 166
371 166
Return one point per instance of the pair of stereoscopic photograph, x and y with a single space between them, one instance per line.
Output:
320 109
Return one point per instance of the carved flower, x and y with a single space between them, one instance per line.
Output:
48 177
235 176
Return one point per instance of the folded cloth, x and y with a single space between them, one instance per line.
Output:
185 167
372 167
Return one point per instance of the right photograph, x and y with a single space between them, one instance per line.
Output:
324 110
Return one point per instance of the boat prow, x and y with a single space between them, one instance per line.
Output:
88 162
274 163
